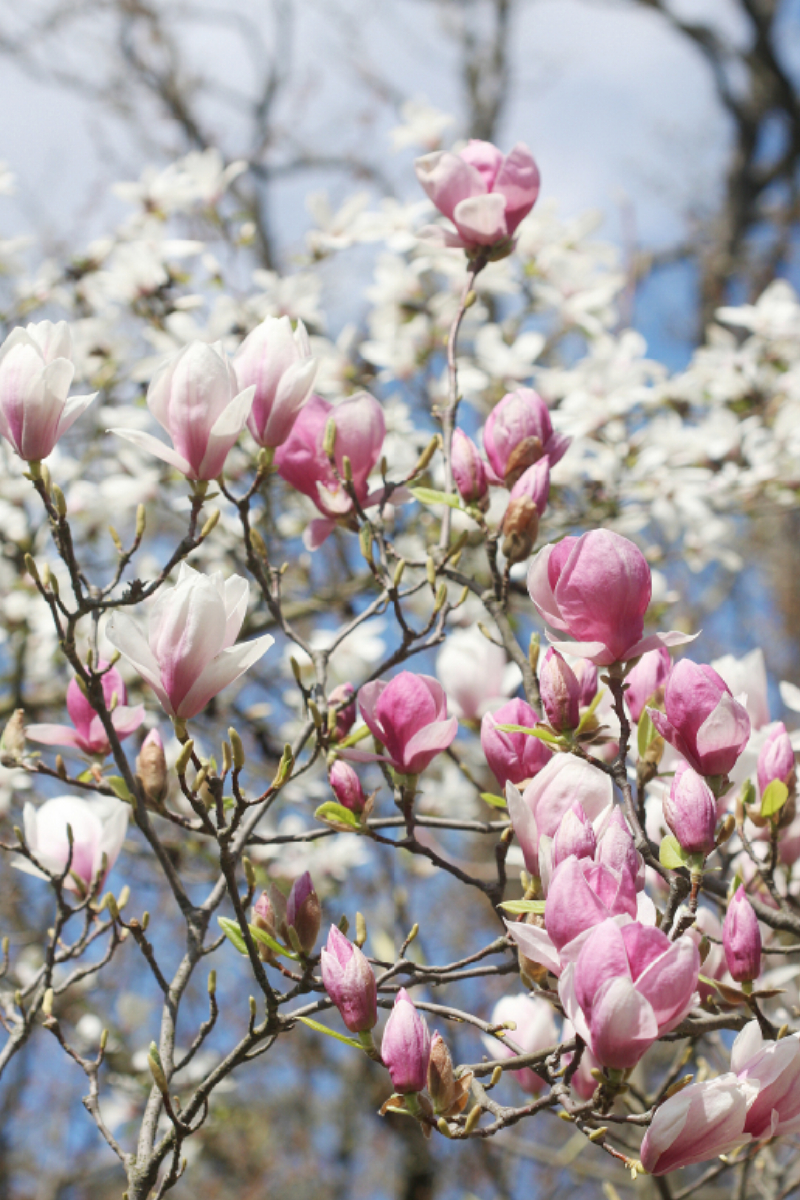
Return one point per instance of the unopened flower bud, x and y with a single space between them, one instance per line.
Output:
406 1046
560 692
151 766
449 1095
350 982
520 528
741 939
304 912
469 471
347 786
269 914
776 762
691 812
346 716
586 674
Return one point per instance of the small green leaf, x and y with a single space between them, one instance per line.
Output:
429 496
86 776
748 792
645 733
495 801
523 906
671 853
119 787
362 732
773 798
320 1028
587 716
337 815
545 735
260 935
233 933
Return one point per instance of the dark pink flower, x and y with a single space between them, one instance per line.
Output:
409 716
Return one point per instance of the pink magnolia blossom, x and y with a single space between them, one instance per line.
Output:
346 716
627 985
303 463
538 811
534 483
350 982
582 894
278 364
35 376
560 691
586 674
690 810
647 677
86 732
702 720
597 588
773 1069
536 1029
469 470
195 397
518 434
409 716
188 655
617 849
776 758
483 192
513 757
741 938
700 1122
406 1046
575 836
98 832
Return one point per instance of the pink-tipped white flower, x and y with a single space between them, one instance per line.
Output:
408 715
475 673
35 376
98 832
628 985
702 720
482 191
536 1029
539 810
406 1046
596 588
582 894
277 362
350 982
773 1070
188 655
195 397
86 732
700 1122
301 460
519 433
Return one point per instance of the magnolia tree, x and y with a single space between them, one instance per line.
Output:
322 651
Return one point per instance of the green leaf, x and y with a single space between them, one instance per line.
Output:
545 735
362 732
233 933
646 733
495 801
587 716
523 906
773 798
748 792
260 935
671 853
336 814
320 1028
429 496
119 787
86 776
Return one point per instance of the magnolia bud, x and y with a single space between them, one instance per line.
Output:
560 692
304 912
469 472
347 786
691 812
741 939
12 743
520 528
346 716
350 982
406 1046
151 766
575 835
269 914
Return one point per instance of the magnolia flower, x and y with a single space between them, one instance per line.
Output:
406 1046
475 673
518 434
773 1068
195 397
538 811
188 654
349 981
278 364
86 732
702 721
409 716
514 757
98 831
536 1029
700 1122
35 375
597 588
483 192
